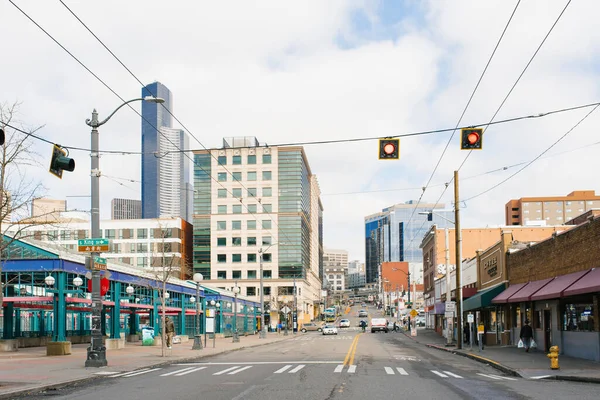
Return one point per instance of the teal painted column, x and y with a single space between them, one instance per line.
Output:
42 323
81 317
60 309
7 326
115 316
182 316
133 322
156 303
17 322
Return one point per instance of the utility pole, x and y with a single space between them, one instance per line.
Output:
448 292
458 252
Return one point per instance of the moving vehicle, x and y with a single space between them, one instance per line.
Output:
362 313
330 330
311 326
345 323
379 324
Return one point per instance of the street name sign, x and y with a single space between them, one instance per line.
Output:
92 245
99 264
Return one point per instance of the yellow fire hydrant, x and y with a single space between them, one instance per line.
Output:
553 356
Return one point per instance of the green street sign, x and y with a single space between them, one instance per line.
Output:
100 260
92 245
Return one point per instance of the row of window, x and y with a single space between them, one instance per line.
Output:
558 203
237 258
249 275
250 159
250 241
250 176
237 192
250 225
141 233
237 208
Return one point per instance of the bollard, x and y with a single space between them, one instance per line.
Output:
553 356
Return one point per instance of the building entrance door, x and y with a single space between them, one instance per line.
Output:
547 329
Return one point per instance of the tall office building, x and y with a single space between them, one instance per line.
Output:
395 233
166 172
253 200
125 209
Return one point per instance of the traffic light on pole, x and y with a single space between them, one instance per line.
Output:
389 149
60 162
471 139
2 137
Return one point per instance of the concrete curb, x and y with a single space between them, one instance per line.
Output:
483 360
73 382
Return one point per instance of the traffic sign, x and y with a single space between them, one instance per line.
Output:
92 245
470 318
450 306
99 264
285 310
414 313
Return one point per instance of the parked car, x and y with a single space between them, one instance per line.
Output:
362 313
330 330
345 323
379 324
311 326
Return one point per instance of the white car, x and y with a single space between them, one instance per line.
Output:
330 330
345 323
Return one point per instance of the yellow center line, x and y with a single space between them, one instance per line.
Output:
350 349
351 362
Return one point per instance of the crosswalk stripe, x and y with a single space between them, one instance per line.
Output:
453 375
339 368
129 372
439 374
190 371
491 376
298 368
240 370
505 377
402 371
141 372
226 370
177 371
352 369
389 371
283 369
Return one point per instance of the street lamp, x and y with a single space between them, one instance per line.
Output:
198 277
236 337
96 353
49 280
263 332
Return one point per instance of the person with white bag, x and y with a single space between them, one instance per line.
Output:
526 336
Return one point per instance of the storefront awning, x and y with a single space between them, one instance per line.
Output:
529 290
483 298
512 289
555 289
440 308
590 284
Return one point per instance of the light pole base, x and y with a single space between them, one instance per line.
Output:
236 337
262 334
96 358
285 333
197 343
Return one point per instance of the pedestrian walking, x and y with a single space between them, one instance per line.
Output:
526 335
169 331
467 333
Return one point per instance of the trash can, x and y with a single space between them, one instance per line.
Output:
147 336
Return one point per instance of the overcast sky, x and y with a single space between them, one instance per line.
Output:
314 70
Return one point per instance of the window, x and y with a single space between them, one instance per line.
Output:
236 274
251 241
266 176
237 176
142 233
267 290
252 208
267 257
222 160
267 275
110 233
141 247
579 316
221 258
266 159
222 176
237 209
221 274
221 209
515 208
266 240
267 192
222 193
267 208
330 276
251 225
236 193
266 224
221 241
236 241
236 160
236 225
252 192
250 291
251 257
142 262
236 258
221 225
251 159
252 274
252 176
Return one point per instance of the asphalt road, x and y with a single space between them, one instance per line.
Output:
351 365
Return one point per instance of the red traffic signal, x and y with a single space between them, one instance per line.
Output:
471 139
389 149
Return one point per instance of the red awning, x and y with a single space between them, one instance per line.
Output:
590 284
512 289
528 291
554 289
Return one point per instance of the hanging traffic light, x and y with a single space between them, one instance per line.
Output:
389 149
2 137
60 162
471 139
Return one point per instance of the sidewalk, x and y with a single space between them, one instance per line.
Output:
514 361
29 369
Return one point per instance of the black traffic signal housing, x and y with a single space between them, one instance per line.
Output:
60 162
471 139
2 137
389 149
430 216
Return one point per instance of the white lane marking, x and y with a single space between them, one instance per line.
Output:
261 363
140 373
439 374
402 371
226 370
491 376
453 375
244 394
352 369
339 368
106 373
503 377
240 370
177 371
298 368
129 372
389 371
190 371
540 377
283 369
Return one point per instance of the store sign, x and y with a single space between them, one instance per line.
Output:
491 267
